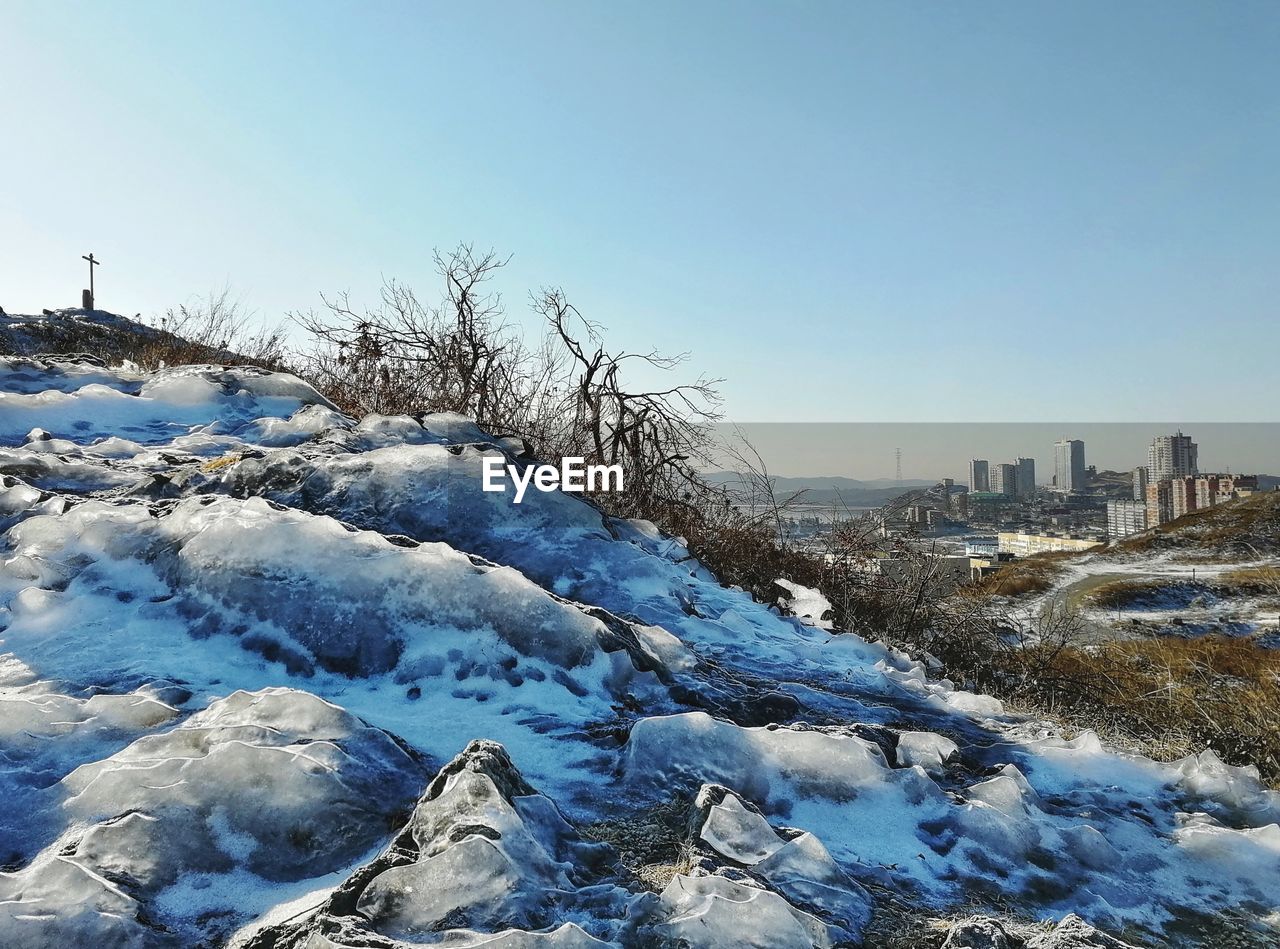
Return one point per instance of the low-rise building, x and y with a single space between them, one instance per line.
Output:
950 571
1236 486
981 546
1024 545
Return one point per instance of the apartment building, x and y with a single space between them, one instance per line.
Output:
1140 484
1069 468
1182 496
1024 545
1024 478
1159 503
1004 479
1125 518
979 475
1172 456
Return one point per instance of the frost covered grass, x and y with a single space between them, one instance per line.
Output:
1169 594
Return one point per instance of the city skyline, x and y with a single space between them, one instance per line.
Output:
932 451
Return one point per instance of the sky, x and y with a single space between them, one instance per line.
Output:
849 212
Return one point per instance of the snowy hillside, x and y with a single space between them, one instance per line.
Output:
272 676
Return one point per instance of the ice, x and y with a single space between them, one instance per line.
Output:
236 625
482 853
734 831
168 404
53 472
711 911
276 785
808 604
770 766
31 376
926 750
794 863
350 601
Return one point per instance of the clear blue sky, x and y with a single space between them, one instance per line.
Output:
851 211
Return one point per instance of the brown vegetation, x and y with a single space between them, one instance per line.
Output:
1025 577
212 330
1174 696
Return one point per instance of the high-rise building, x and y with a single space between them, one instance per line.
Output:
1004 479
1025 478
1159 503
1207 489
1125 518
1182 496
1172 456
979 475
1140 484
1069 470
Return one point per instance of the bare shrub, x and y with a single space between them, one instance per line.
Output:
405 356
568 395
214 329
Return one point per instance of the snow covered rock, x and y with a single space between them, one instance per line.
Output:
483 852
182 832
985 932
794 863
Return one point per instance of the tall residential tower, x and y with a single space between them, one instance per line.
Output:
979 475
1172 456
1069 471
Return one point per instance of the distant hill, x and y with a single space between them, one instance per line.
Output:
835 490
833 483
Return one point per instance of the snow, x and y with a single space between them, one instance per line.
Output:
240 632
808 604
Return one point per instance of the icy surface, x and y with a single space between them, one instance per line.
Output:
240 632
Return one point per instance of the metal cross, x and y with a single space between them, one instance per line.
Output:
92 263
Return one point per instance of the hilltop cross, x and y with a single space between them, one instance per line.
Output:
88 301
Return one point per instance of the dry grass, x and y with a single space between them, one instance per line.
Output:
221 462
1130 594
1263 580
211 330
1026 577
1258 580
652 844
1174 697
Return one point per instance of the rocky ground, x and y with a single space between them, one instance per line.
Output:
271 676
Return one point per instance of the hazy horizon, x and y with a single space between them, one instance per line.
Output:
936 450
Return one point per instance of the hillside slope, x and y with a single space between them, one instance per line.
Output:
1243 529
272 676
